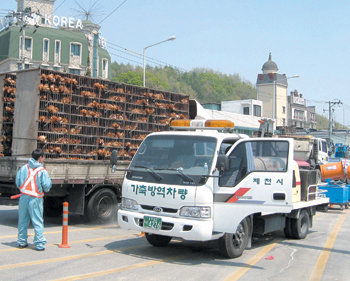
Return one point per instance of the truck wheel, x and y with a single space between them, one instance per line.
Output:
53 206
158 240
322 208
102 206
300 226
232 245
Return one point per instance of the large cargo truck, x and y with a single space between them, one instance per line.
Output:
310 152
203 182
78 121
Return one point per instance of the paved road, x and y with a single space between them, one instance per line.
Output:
106 252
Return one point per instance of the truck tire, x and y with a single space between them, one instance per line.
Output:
158 240
300 226
232 245
53 206
102 206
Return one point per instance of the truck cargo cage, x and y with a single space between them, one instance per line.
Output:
77 117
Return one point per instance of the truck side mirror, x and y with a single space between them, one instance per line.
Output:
114 159
222 163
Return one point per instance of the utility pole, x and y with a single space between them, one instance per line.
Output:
22 19
331 105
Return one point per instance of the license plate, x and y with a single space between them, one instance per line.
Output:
152 222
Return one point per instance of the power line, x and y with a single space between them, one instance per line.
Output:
120 51
149 59
60 5
112 12
126 58
132 60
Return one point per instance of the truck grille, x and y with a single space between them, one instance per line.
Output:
165 210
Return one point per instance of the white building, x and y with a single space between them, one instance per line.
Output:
244 124
246 107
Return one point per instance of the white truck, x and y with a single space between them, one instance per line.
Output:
309 151
203 182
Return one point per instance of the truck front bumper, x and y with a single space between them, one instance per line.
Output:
187 229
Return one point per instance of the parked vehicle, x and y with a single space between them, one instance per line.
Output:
203 182
309 152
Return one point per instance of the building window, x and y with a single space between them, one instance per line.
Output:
312 117
46 45
257 110
28 43
26 66
104 68
283 109
299 115
75 55
57 58
246 110
46 50
74 71
75 50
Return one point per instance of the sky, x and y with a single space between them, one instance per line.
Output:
306 38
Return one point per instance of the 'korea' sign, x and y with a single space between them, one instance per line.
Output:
35 19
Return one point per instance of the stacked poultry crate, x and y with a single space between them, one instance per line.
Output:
8 97
84 118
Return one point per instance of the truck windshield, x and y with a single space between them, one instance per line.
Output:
177 159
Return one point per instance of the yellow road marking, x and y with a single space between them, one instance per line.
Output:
38 262
119 269
321 263
70 230
257 257
80 241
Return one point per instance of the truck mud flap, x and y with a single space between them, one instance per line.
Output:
76 199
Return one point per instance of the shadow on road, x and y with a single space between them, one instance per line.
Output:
185 252
9 217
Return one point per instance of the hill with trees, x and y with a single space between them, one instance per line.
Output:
204 85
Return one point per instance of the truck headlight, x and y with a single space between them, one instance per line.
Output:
129 204
195 212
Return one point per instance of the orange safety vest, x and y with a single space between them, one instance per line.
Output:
29 187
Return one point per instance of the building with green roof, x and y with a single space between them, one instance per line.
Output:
51 42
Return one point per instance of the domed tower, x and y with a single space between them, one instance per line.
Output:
270 66
272 91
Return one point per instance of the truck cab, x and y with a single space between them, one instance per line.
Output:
322 155
204 182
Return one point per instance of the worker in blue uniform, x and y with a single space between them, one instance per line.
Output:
32 180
